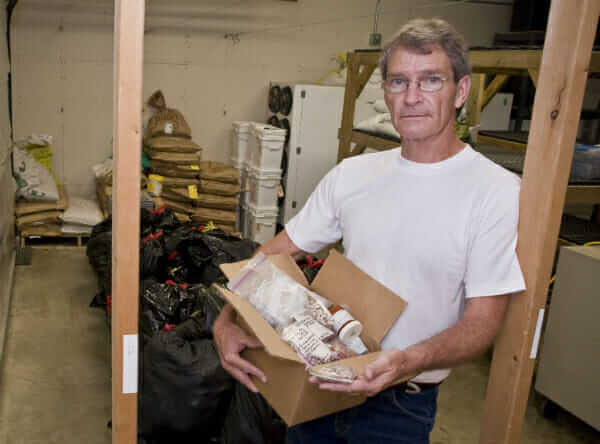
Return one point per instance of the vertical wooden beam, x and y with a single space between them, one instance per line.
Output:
497 82
128 63
475 99
350 95
559 96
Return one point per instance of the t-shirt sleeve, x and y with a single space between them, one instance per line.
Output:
493 266
317 224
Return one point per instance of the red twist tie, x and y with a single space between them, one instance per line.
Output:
184 286
170 282
173 255
148 238
168 327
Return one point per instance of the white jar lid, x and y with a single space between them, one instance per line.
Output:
350 331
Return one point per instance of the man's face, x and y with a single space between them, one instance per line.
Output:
416 114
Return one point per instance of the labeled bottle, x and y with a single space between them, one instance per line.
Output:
346 327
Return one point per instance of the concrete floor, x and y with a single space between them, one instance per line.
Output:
55 375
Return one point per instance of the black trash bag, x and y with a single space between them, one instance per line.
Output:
250 420
148 325
224 248
164 218
151 255
189 299
161 299
185 392
213 306
177 238
176 269
99 253
310 266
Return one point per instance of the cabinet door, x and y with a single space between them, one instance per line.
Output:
318 117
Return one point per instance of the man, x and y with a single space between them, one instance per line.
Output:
434 221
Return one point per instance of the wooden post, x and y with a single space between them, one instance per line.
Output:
350 95
475 99
128 60
494 86
559 96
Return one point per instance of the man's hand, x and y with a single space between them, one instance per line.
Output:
230 341
380 374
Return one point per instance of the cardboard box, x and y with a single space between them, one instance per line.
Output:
287 389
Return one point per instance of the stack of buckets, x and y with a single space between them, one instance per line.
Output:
257 152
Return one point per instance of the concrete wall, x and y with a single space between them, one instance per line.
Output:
7 198
62 62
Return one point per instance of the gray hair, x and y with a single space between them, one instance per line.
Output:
422 36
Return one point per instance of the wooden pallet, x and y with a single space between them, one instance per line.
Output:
44 237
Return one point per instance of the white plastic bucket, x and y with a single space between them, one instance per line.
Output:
240 135
261 224
263 187
265 146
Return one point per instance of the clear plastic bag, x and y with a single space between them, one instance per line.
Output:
275 295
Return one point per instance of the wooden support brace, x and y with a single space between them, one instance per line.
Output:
494 86
363 78
128 64
559 96
534 74
350 96
475 99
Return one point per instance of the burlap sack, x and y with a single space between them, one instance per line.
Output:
172 144
180 194
38 218
215 201
175 181
51 229
174 158
175 170
219 172
220 188
205 215
24 207
176 206
183 218
167 122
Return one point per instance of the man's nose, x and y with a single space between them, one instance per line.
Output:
412 94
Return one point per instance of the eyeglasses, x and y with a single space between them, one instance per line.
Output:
426 84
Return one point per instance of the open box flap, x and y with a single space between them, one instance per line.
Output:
376 306
273 344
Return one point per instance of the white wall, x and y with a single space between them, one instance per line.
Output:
62 62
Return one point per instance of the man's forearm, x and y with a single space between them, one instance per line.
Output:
470 336
280 244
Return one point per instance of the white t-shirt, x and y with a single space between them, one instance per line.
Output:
433 233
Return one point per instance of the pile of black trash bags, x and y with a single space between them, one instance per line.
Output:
185 395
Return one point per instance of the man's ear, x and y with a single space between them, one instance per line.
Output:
462 91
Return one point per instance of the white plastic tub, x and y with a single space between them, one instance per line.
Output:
263 187
261 224
265 146
240 135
